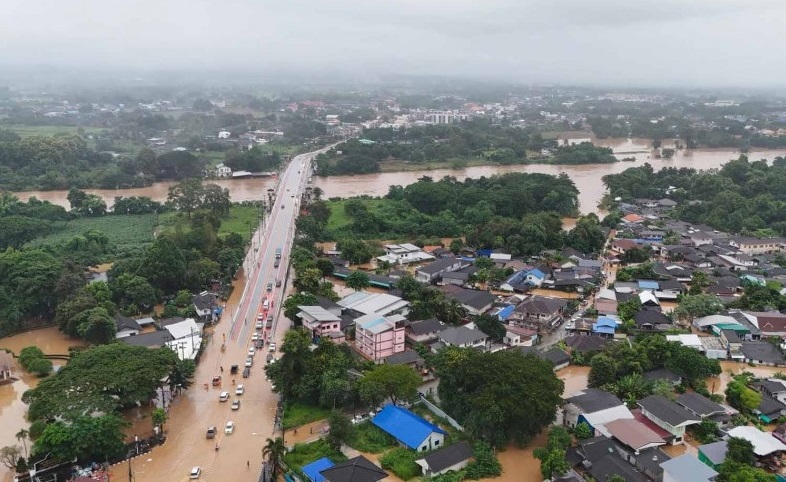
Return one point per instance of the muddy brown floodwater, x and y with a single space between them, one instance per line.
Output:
12 409
588 177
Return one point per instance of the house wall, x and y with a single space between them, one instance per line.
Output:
380 345
434 441
678 432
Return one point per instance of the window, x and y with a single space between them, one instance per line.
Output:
436 443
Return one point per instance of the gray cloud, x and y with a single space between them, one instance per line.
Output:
643 42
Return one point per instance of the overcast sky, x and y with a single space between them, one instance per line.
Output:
736 43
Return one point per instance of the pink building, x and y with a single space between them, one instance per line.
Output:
379 336
319 320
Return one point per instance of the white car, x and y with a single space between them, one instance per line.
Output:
240 389
255 336
230 427
251 351
260 325
249 362
195 473
235 404
272 347
223 396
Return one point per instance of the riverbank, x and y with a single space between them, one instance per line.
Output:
587 177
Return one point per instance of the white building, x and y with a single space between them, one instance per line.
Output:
222 170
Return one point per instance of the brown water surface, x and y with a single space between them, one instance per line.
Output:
588 177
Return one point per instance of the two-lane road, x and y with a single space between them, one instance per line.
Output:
239 456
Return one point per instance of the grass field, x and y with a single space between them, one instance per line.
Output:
304 454
124 231
339 219
27 131
240 220
297 414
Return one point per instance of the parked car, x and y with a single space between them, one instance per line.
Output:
223 396
249 362
217 380
230 427
278 282
272 346
269 287
211 432
251 351
246 372
240 389
235 404
255 337
195 473
233 370
260 325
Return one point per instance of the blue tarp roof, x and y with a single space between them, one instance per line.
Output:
312 470
484 252
505 312
607 321
648 285
606 330
537 273
406 427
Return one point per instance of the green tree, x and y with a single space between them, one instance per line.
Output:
274 451
740 396
10 455
456 245
355 251
452 311
628 309
98 438
164 265
308 280
696 306
500 397
603 371
295 300
490 326
186 196
358 280
341 430
583 431
325 266
159 417
740 451
393 382
632 387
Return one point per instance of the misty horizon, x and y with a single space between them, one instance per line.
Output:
670 43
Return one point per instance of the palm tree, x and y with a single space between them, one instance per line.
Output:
23 436
274 450
453 311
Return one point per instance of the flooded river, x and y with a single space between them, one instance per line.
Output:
12 410
587 177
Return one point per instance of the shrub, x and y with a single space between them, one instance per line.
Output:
401 462
485 464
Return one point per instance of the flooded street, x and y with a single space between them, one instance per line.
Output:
587 177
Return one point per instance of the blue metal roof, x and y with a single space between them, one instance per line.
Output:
312 470
607 321
405 426
505 312
648 285
606 330
537 273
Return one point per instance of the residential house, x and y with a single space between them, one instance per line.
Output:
764 443
594 407
222 170
586 344
453 457
770 323
773 387
319 320
411 358
704 408
397 254
186 338
713 454
648 299
378 336
539 313
313 471
365 303
126 326
651 320
356 469
204 304
606 326
687 468
155 339
668 415
458 278
519 336
732 342
690 341
633 434
623 245
7 366
762 353
557 356
475 302
602 458
769 409
423 331
632 218
463 337
751 246
613 464
409 429
431 272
